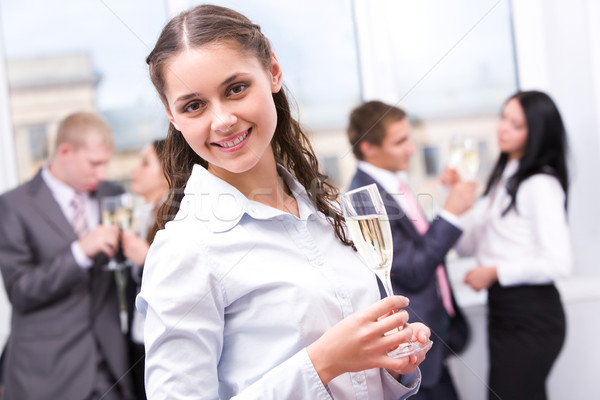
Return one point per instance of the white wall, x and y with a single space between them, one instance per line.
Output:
558 51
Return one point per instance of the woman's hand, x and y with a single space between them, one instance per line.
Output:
134 248
421 333
362 341
481 277
449 176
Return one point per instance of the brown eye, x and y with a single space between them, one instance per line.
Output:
191 107
237 89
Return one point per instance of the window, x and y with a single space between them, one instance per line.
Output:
38 142
90 58
450 65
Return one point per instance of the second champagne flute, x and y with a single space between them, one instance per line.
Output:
369 228
109 206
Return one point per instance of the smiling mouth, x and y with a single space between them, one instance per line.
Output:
235 141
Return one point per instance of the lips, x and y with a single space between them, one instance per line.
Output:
233 142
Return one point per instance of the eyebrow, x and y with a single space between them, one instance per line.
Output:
226 82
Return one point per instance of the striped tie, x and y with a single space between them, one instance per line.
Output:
79 223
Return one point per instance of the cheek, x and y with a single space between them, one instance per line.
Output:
266 108
522 140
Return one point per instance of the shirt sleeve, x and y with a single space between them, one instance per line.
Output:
81 259
402 389
540 201
469 222
184 304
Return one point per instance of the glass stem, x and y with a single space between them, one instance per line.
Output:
385 278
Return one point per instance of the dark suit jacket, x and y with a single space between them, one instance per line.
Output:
416 258
64 319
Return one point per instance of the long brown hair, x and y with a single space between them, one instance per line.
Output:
206 24
159 149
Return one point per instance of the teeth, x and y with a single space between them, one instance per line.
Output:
234 141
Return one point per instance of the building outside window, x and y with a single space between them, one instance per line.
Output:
410 54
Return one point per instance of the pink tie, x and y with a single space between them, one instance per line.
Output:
79 222
421 225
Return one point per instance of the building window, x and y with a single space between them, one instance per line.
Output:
431 157
37 136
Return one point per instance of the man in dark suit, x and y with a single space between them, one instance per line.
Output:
65 340
380 136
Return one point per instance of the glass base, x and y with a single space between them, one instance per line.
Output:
408 348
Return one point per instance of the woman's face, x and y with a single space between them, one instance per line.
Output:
512 130
148 180
220 99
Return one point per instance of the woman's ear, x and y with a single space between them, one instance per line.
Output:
170 116
276 74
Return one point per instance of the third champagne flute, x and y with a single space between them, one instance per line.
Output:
470 162
369 228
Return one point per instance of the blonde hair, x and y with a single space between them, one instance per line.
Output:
77 127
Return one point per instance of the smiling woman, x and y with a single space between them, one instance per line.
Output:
224 120
212 285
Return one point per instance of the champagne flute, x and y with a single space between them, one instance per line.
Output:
456 151
470 162
370 230
109 206
118 210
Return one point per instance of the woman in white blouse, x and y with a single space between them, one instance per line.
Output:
519 235
252 290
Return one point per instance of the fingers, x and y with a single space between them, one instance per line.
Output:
103 239
399 334
421 332
392 323
386 306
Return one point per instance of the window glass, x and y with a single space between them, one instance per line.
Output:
450 65
67 55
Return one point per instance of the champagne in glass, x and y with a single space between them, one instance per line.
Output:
470 160
116 210
456 151
109 206
370 230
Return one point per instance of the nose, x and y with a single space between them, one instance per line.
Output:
223 119
101 172
411 148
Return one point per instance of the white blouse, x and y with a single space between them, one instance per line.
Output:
234 291
529 245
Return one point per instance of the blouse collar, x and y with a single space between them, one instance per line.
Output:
221 206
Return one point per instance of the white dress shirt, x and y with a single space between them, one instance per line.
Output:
234 291
63 194
529 245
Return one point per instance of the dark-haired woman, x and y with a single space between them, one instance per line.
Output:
520 238
148 182
252 289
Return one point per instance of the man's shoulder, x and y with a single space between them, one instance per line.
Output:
359 179
23 189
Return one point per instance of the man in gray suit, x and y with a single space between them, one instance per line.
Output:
65 340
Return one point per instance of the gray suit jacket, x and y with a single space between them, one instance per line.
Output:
64 320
